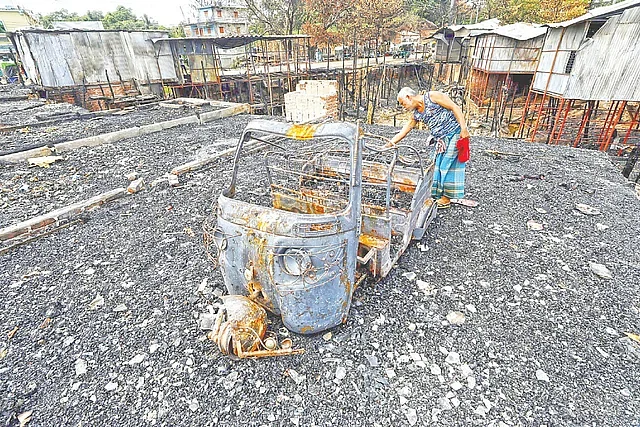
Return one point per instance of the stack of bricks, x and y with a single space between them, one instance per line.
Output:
94 99
312 100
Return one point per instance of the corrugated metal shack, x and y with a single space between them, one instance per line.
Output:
585 90
257 70
453 44
503 62
94 69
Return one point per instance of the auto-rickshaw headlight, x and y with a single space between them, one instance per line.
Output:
296 261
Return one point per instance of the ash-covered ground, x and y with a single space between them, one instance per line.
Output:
542 343
34 122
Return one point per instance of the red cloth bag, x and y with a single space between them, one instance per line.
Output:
463 149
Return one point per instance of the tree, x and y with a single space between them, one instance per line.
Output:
123 18
276 16
326 21
60 15
375 19
536 11
436 11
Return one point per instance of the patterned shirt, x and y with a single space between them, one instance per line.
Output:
440 120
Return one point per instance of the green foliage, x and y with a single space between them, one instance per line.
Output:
436 11
122 18
177 31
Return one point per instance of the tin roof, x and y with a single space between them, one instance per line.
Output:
521 31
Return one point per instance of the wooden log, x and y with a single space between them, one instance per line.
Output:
197 164
65 213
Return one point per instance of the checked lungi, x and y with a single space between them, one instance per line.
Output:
448 174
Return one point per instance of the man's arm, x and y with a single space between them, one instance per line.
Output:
403 132
443 100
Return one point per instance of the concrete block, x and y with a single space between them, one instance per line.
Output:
136 186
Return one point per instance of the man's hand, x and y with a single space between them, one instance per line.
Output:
464 133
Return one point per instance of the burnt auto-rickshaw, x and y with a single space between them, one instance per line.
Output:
310 211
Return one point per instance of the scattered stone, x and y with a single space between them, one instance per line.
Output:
372 359
534 225
137 359
542 375
412 416
602 352
435 369
136 186
131 176
174 181
153 348
341 372
111 386
456 318
120 308
517 288
230 380
327 336
480 410
202 287
612 331
601 227
207 321
586 209
456 385
390 373
600 270
625 392
97 302
194 405
453 358
465 370
81 367
296 377
444 404
409 275
471 382
471 308
425 287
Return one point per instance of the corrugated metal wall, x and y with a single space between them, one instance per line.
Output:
60 59
608 67
558 44
499 54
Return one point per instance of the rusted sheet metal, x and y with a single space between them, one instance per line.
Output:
57 59
241 328
333 202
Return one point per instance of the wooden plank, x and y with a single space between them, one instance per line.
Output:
66 213
197 164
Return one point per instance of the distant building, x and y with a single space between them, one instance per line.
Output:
11 19
220 19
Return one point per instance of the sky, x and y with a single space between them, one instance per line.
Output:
163 11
